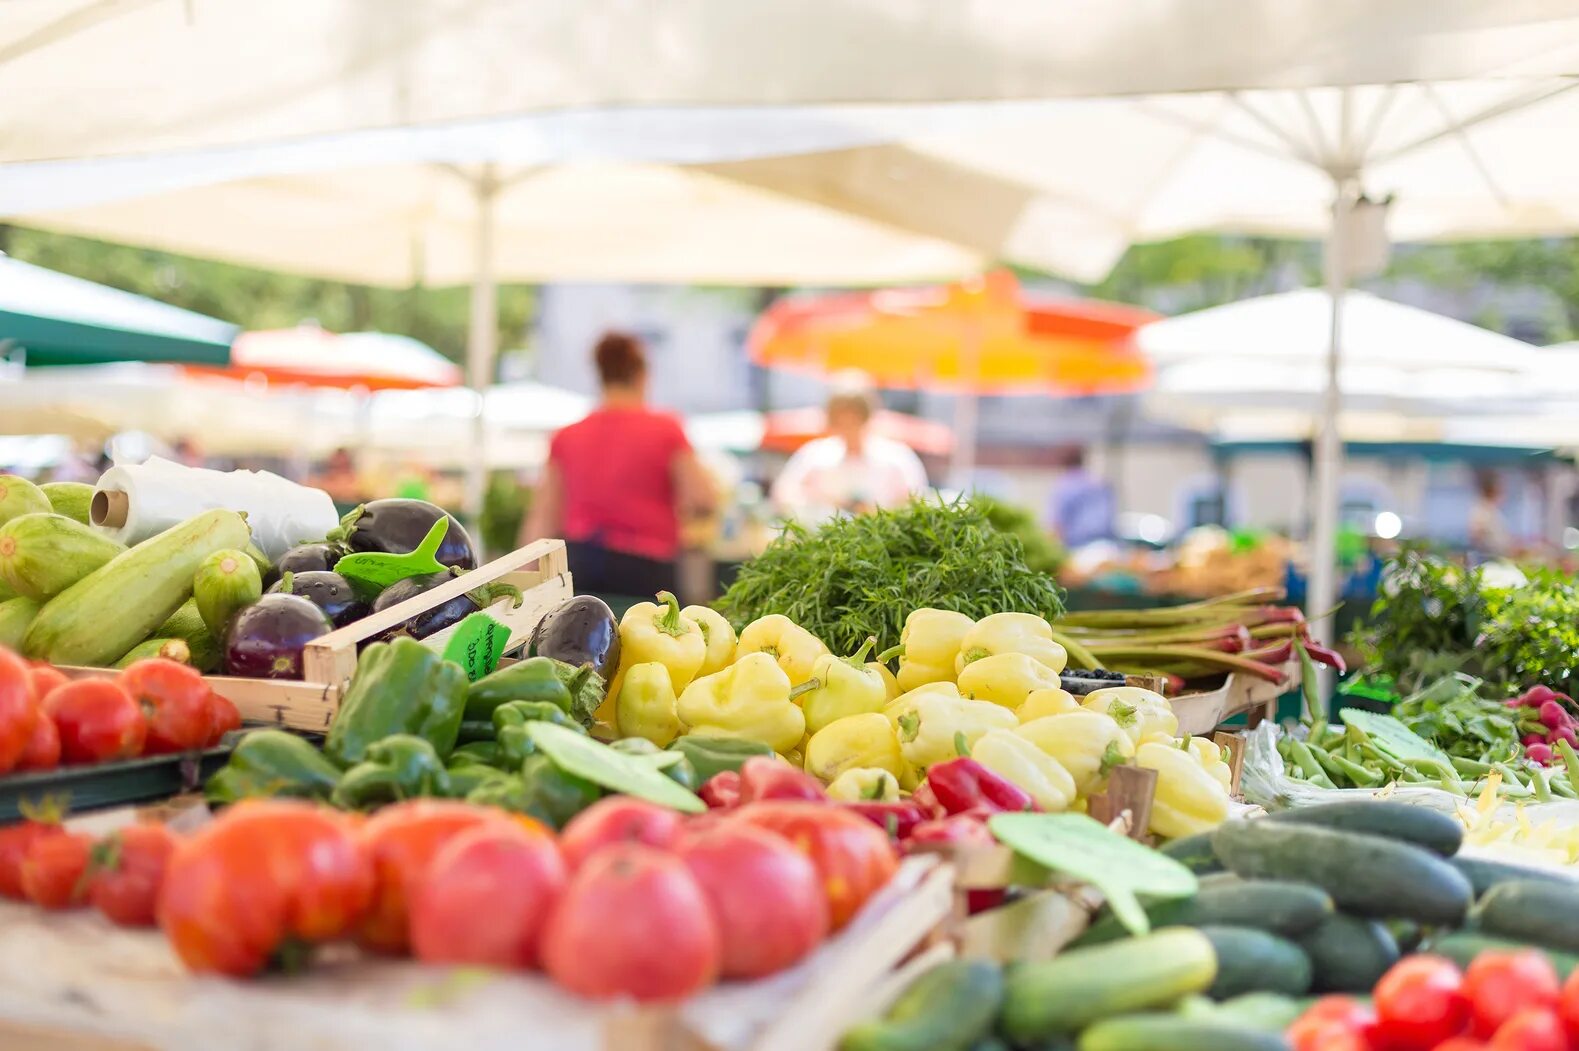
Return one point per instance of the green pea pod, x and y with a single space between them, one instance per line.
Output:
1359 776
1471 767
401 766
1325 758
1309 765
272 764
1510 776
1563 787
1570 760
1538 785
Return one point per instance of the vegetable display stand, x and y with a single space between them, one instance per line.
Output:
72 982
540 570
1201 713
106 784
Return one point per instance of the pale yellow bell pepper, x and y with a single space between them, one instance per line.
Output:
1087 744
1042 777
646 706
1042 703
891 688
842 686
930 641
1011 633
866 740
1142 713
1008 679
750 699
794 648
864 784
656 631
1210 755
933 720
1188 799
719 635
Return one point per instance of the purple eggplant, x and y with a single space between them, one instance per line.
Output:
396 526
327 590
304 558
441 616
265 640
578 631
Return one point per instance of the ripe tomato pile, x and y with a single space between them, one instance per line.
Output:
153 707
1504 1001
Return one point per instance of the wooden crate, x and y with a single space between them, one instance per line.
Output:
1201 713
73 981
540 570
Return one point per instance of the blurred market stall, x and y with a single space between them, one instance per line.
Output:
310 356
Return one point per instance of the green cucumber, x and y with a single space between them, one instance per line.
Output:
44 554
948 1008
1532 911
15 616
1194 853
1252 961
169 649
1366 875
1431 829
1075 988
1276 906
18 497
1463 946
1485 874
71 499
1269 1011
118 605
186 623
1170 1032
225 582
1348 954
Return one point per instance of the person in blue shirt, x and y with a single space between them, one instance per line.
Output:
1081 507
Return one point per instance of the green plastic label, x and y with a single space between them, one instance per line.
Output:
477 644
377 571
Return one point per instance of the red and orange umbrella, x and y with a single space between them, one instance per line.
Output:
314 357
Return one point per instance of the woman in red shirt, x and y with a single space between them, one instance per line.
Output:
617 483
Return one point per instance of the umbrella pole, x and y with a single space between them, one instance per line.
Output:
1323 589
482 339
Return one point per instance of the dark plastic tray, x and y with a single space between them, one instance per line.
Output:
96 785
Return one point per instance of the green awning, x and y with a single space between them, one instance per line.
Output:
61 320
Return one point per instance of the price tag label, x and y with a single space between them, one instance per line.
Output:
477 645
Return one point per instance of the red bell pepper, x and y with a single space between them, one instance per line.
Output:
963 784
721 791
762 777
897 819
927 800
967 829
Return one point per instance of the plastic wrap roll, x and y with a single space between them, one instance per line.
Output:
132 503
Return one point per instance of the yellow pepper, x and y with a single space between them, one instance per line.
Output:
1008 679
1012 633
1087 744
750 698
646 705
864 784
932 720
1042 777
1188 800
656 631
866 740
1210 755
1142 713
718 635
930 641
842 686
795 648
1042 703
890 684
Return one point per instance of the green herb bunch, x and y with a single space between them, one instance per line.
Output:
859 576
1530 635
1043 552
1425 621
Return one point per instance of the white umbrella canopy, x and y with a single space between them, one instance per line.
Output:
135 76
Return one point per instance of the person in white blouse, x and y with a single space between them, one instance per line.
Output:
852 469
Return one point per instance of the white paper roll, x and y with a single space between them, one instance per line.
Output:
160 494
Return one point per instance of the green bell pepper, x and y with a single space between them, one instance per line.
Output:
468 775
272 763
400 766
713 755
509 726
474 731
673 763
541 790
484 752
534 679
400 687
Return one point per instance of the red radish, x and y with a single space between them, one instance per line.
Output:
1536 696
1566 733
1529 739
1539 753
1514 702
1552 715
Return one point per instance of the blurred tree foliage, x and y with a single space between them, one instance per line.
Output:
266 299
1204 270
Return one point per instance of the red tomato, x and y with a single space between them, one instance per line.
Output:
223 718
45 678
128 869
18 711
1461 1043
264 873
16 839
1499 984
43 748
97 720
1332 1023
401 841
764 894
55 870
1420 1003
174 699
853 856
487 896
1567 1004
1531 1029
632 922
618 819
